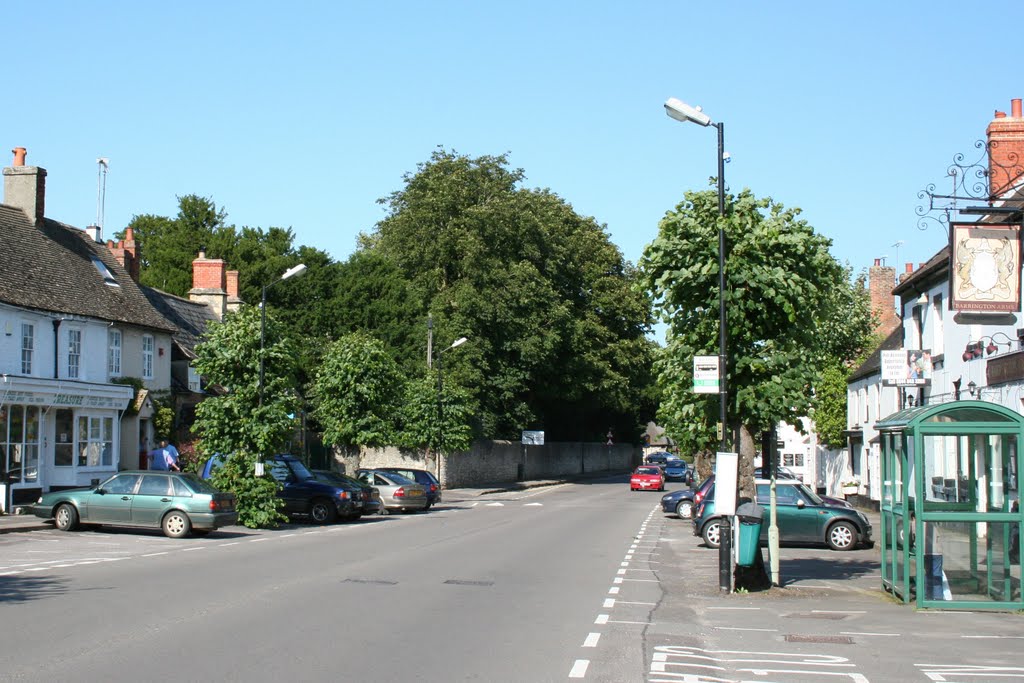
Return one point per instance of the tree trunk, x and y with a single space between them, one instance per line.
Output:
754 577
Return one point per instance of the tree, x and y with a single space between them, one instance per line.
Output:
779 275
419 425
235 422
556 322
357 392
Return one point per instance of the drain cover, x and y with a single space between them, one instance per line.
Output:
835 640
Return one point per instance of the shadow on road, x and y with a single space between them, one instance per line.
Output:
25 588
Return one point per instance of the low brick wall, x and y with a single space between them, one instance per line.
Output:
495 462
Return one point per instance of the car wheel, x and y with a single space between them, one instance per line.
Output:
322 511
842 536
66 517
685 509
712 534
176 524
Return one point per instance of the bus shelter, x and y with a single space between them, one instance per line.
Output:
951 515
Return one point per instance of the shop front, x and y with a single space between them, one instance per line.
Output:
57 434
951 516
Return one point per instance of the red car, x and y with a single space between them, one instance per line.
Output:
647 478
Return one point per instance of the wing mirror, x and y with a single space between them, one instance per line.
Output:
801 504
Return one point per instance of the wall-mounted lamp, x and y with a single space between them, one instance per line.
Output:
972 388
978 348
910 400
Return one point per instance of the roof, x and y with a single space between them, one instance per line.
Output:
936 265
189 318
49 267
873 364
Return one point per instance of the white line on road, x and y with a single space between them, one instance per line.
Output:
591 640
609 603
188 550
637 623
614 590
155 554
737 628
601 619
627 602
579 668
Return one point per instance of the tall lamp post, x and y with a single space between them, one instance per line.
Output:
440 399
680 111
291 272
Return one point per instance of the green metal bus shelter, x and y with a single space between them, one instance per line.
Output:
951 514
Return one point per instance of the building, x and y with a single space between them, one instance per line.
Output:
74 326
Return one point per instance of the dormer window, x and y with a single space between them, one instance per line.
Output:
101 267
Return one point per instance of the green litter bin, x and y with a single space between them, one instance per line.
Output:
749 519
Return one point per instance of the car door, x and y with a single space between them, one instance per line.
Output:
294 496
153 497
111 503
799 522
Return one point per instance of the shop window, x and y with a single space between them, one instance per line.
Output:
95 441
19 443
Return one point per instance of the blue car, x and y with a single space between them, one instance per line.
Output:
676 470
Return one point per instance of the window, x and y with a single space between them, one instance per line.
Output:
108 277
74 353
95 441
64 423
28 337
918 328
147 356
114 353
793 459
937 339
19 443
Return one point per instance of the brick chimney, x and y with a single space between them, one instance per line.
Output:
209 284
908 270
127 253
1006 149
234 303
25 187
881 280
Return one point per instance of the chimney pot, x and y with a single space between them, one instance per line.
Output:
878 261
1015 108
999 114
19 156
909 267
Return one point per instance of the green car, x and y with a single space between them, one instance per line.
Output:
803 517
176 502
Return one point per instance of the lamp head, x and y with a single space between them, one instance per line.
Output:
294 271
458 342
681 111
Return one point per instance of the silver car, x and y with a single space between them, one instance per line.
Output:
397 493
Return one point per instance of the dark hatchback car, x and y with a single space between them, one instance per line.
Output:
303 494
803 517
683 501
422 477
676 470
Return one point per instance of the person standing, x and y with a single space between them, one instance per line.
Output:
172 455
158 459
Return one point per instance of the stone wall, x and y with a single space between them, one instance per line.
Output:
495 462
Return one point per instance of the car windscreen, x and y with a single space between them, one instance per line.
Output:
811 496
648 470
300 471
398 479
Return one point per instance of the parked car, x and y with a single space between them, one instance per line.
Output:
676 470
367 498
647 478
789 476
422 477
177 503
657 458
803 517
396 492
303 494
679 502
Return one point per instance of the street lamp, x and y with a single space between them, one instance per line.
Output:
294 271
680 111
440 399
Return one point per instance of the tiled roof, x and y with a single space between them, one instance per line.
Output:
190 318
936 264
873 364
49 267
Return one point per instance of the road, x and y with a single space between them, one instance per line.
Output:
572 582
505 588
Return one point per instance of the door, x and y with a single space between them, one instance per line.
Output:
799 521
152 499
114 504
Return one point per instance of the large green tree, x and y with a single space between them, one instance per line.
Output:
239 420
780 312
556 326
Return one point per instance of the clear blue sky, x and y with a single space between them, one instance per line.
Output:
303 114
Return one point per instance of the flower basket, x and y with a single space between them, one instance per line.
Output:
850 488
